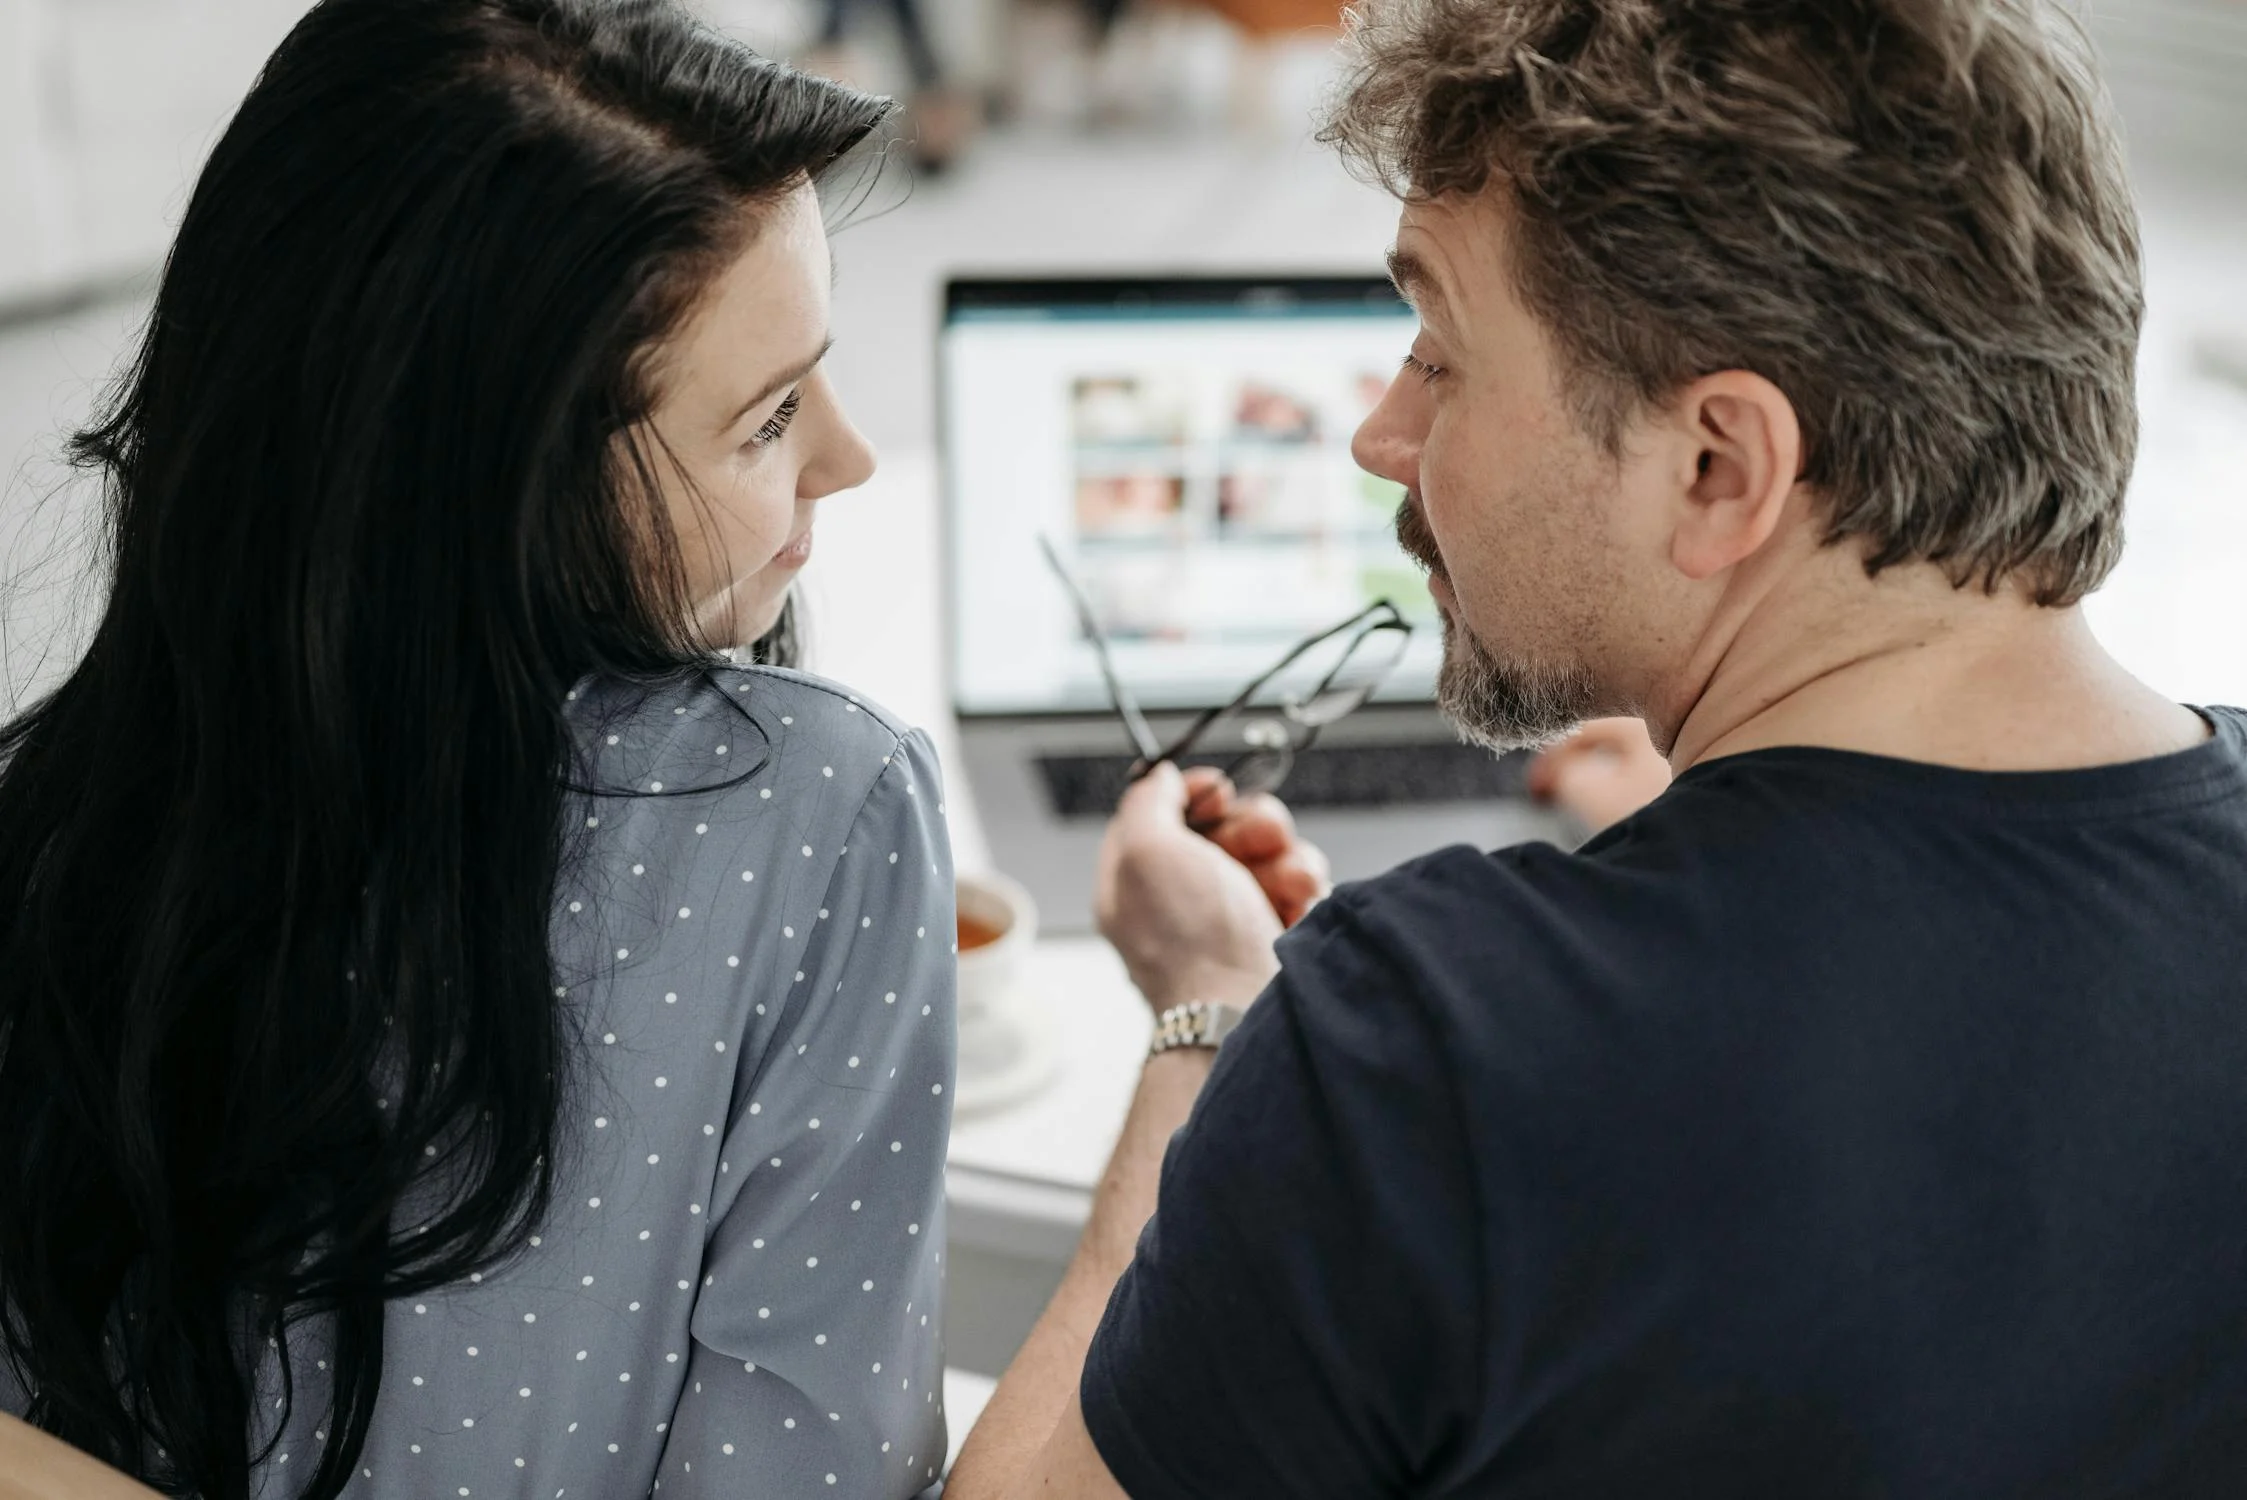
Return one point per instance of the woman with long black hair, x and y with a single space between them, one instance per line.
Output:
464 1030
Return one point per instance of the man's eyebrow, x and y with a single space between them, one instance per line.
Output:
779 383
1414 281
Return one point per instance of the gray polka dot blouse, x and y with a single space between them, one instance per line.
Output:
739 1291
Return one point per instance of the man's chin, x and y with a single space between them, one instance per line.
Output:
1505 706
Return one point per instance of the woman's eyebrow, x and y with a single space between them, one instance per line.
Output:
782 381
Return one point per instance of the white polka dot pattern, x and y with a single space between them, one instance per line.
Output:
713 1308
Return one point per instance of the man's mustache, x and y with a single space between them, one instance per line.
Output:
1414 536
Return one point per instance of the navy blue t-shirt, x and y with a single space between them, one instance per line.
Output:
1837 1126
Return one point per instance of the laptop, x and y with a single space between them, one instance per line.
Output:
1183 442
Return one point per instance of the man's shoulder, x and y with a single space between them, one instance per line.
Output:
1758 904
1535 963
1529 904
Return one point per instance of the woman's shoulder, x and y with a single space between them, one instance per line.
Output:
735 797
749 730
819 708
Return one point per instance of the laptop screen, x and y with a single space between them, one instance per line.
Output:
1185 444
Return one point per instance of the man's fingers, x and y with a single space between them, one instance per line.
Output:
1156 800
1266 811
1200 779
1291 881
1209 797
1314 861
1258 830
1260 833
1258 827
1545 769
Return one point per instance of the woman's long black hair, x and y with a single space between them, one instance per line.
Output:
278 1035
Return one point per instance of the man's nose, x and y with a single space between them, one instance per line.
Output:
1387 442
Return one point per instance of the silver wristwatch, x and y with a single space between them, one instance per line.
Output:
1198 1023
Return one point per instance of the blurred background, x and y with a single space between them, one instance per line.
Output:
1069 136
1078 138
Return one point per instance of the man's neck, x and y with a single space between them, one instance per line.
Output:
1907 666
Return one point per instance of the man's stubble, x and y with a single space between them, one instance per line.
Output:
1491 701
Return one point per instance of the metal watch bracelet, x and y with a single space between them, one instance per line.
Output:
1198 1023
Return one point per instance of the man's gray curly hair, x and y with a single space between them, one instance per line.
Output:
1910 215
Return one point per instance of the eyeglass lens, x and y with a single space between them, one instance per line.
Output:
1261 770
1371 656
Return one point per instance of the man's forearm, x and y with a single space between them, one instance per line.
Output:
1031 1398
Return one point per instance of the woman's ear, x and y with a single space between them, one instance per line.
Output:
1743 446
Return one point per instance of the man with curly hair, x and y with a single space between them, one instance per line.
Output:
1862 1117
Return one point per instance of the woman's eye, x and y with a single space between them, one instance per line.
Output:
1415 365
767 435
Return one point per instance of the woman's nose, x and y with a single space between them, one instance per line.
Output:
844 459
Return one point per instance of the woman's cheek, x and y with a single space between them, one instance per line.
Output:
757 522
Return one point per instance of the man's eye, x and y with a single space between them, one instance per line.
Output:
1415 365
767 435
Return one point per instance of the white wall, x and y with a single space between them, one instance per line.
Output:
107 108
2178 71
967 34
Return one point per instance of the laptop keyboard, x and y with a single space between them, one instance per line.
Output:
1087 786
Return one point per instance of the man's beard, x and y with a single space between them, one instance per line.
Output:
1498 704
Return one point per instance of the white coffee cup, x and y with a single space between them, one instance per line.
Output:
990 902
1005 1050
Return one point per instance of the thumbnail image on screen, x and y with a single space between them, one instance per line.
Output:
1222 504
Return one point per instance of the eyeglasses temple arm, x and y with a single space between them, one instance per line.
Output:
1127 707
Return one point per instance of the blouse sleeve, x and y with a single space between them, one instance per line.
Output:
817 1359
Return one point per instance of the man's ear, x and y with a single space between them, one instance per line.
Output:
1738 434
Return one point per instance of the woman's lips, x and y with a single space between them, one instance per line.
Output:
795 554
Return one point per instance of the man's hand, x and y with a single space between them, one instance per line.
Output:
1194 914
1195 883
1602 773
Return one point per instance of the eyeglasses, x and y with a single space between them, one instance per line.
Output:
1370 643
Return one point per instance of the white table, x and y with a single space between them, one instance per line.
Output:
1021 1178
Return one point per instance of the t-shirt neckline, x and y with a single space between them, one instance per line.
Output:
2217 765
